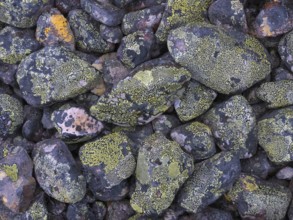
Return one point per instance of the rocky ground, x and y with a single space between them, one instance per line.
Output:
146 109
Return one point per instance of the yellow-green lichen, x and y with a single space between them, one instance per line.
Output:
11 171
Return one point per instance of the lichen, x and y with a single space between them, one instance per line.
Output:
11 171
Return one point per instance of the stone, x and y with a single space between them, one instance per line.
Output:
111 34
165 123
80 211
41 83
99 209
233 125
248 64
38 208
285 173
281 74
162 168
65 6
213 214
285 50
57 172
7 73
120 210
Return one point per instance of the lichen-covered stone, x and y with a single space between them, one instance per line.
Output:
57 172
111 34
195 138
196 99
209 181
139 99
11 114
23 13
275 135
204 50
54 74
276 94
79 210
256 198
162 167
233 125
165 123
65 6
16 44
37 210
99 209
53 29
119 210
286 50
74 124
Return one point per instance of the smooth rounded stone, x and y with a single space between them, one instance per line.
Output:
285 50
256 198
165 123
108 160
213 214
23 13
147 18
7 73
11 115
209 181
65 6
119 210
74 124
233 125
162 168
280 74
285 173
276 94
196 139
41 83
248 64
38 209
228 13
57 172
111 34
53 29
196 99
16 44
103 11
87 33
139 99
80 211
274 135
179 13
135 48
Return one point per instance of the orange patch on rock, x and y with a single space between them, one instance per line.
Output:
61 26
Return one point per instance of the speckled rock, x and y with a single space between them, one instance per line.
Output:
248 61
66 6
53 29
286 50
196 99
162 168
195 138
210 180
11 114
42 84
74 124
23 13
274 135
139 99
256 198
37 210
87 33
120 210
276 94
111 34
16 44
165 123
103 11
57 172
285 173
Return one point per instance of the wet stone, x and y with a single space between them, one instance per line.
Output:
16 44
248 60
87 33
196 139
165 123
66 6
285 173
233 125
139 99
258 198
286 50
162 168
210 180
196 99
42 84
57 172
53 29
120 210
111 34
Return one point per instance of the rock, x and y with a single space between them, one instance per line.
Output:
53 29
248 64
42 84
23 13
103 11
87 33
74 124
65 6
274 135
147 18
233 125
139 99
210 180
79 211
162 167
99 209
7 73
281 74
11 115
122 3
135 48
285 49
165 123
57 172
111 34
38 208
120 210
285 173
55 207
16 44
141 4
195 101
276 94
213 214
256 198
196 139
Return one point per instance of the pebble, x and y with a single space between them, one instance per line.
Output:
285 173
165 123
111 34
285 50
120 210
